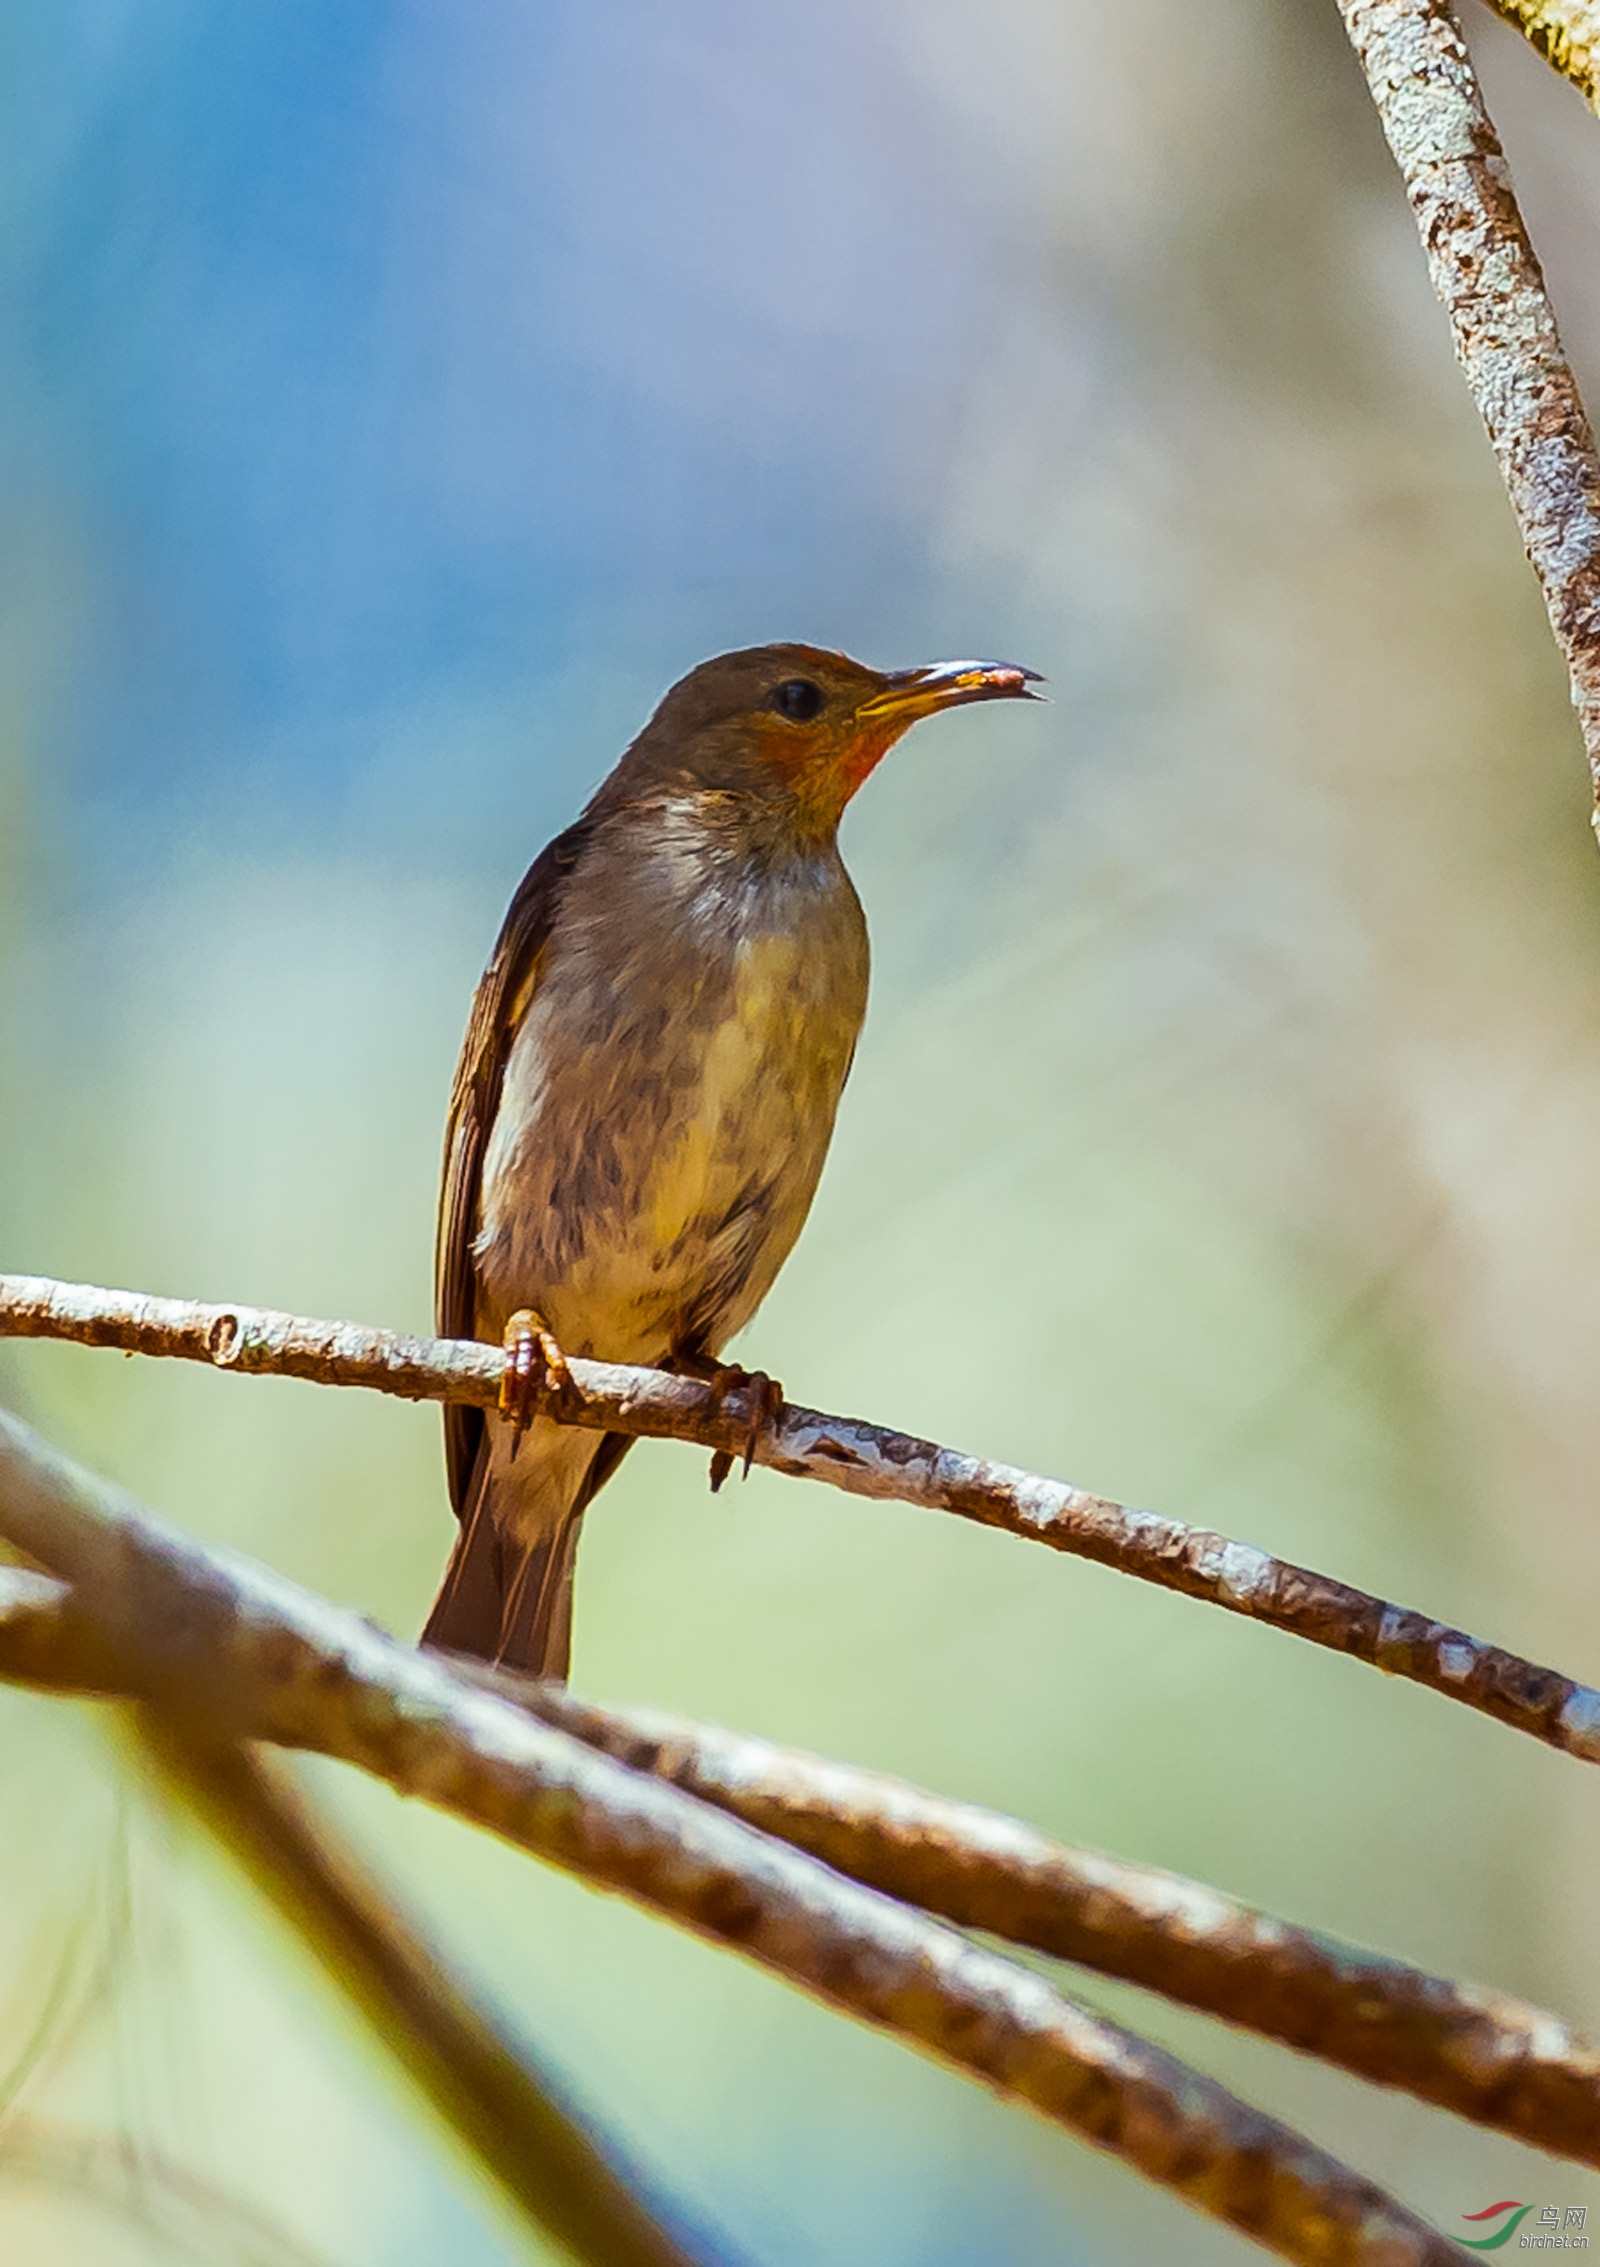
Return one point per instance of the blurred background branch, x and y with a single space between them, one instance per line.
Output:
209 1640
1480 2053
486 2087
190 2217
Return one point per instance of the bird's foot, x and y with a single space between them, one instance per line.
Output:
728 1382
535 1373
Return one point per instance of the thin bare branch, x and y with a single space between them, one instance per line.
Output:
1488 281
1481 2053
860 1458
197 1630
487 2088
1566 33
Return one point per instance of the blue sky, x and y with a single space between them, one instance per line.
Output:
430 356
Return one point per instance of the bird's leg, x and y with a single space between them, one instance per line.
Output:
536 1370
727 1380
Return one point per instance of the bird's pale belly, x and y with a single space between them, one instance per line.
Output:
643 1219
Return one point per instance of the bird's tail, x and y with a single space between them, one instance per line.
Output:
507 1592
523 1621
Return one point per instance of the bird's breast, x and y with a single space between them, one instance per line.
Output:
662 1126
767 1077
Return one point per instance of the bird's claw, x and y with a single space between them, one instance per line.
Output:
535 1373
765 1396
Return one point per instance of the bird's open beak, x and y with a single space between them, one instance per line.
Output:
910 693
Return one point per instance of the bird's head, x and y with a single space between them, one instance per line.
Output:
798 726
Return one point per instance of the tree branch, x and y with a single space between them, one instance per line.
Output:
847 1453
1480 2053
1488 281
487 2089
205 1635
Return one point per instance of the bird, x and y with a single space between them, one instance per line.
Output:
646 1092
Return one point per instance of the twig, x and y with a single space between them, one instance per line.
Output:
1566 33
860 1458
487 2090
203 1630
1488 280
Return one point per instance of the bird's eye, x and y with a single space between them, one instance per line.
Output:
797 699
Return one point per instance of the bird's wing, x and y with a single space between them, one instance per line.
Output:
498 1006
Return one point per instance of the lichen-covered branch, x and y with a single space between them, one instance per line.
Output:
218 1644
848 1453
1488 281
486 2088
1566 33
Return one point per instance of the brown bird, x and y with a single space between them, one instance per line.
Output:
647 1089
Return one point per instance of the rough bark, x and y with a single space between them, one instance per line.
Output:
1488 281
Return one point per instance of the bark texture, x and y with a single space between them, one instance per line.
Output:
1488 281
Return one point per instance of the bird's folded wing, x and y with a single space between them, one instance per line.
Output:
499 1004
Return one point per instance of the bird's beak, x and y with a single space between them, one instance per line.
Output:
910 693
